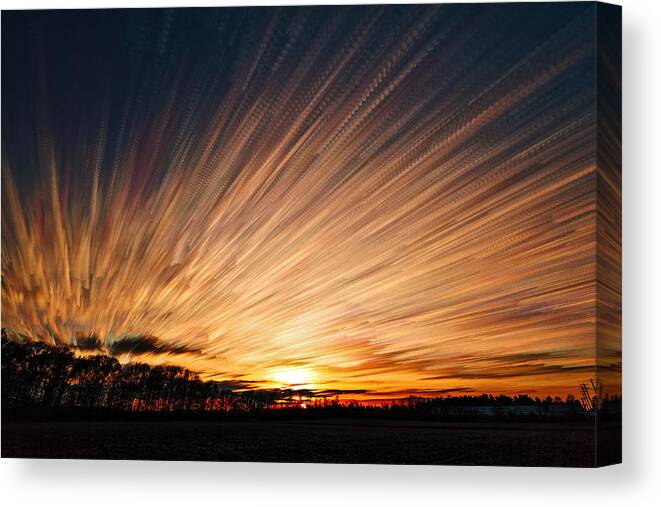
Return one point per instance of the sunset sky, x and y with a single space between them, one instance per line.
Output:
378 201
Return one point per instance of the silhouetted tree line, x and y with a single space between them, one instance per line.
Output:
38 375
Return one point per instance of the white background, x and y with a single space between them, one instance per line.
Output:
636 482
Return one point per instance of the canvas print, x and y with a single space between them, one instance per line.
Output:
347 234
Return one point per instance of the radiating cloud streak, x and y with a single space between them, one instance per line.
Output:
393 199
140 345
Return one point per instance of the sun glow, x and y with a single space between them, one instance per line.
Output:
293 376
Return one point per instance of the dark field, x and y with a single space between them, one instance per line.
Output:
394 442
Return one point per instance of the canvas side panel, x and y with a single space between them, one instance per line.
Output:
609 231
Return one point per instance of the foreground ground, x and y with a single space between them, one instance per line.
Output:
346 441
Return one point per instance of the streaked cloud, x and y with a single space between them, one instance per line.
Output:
388 199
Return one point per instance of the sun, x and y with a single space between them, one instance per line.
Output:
293 376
